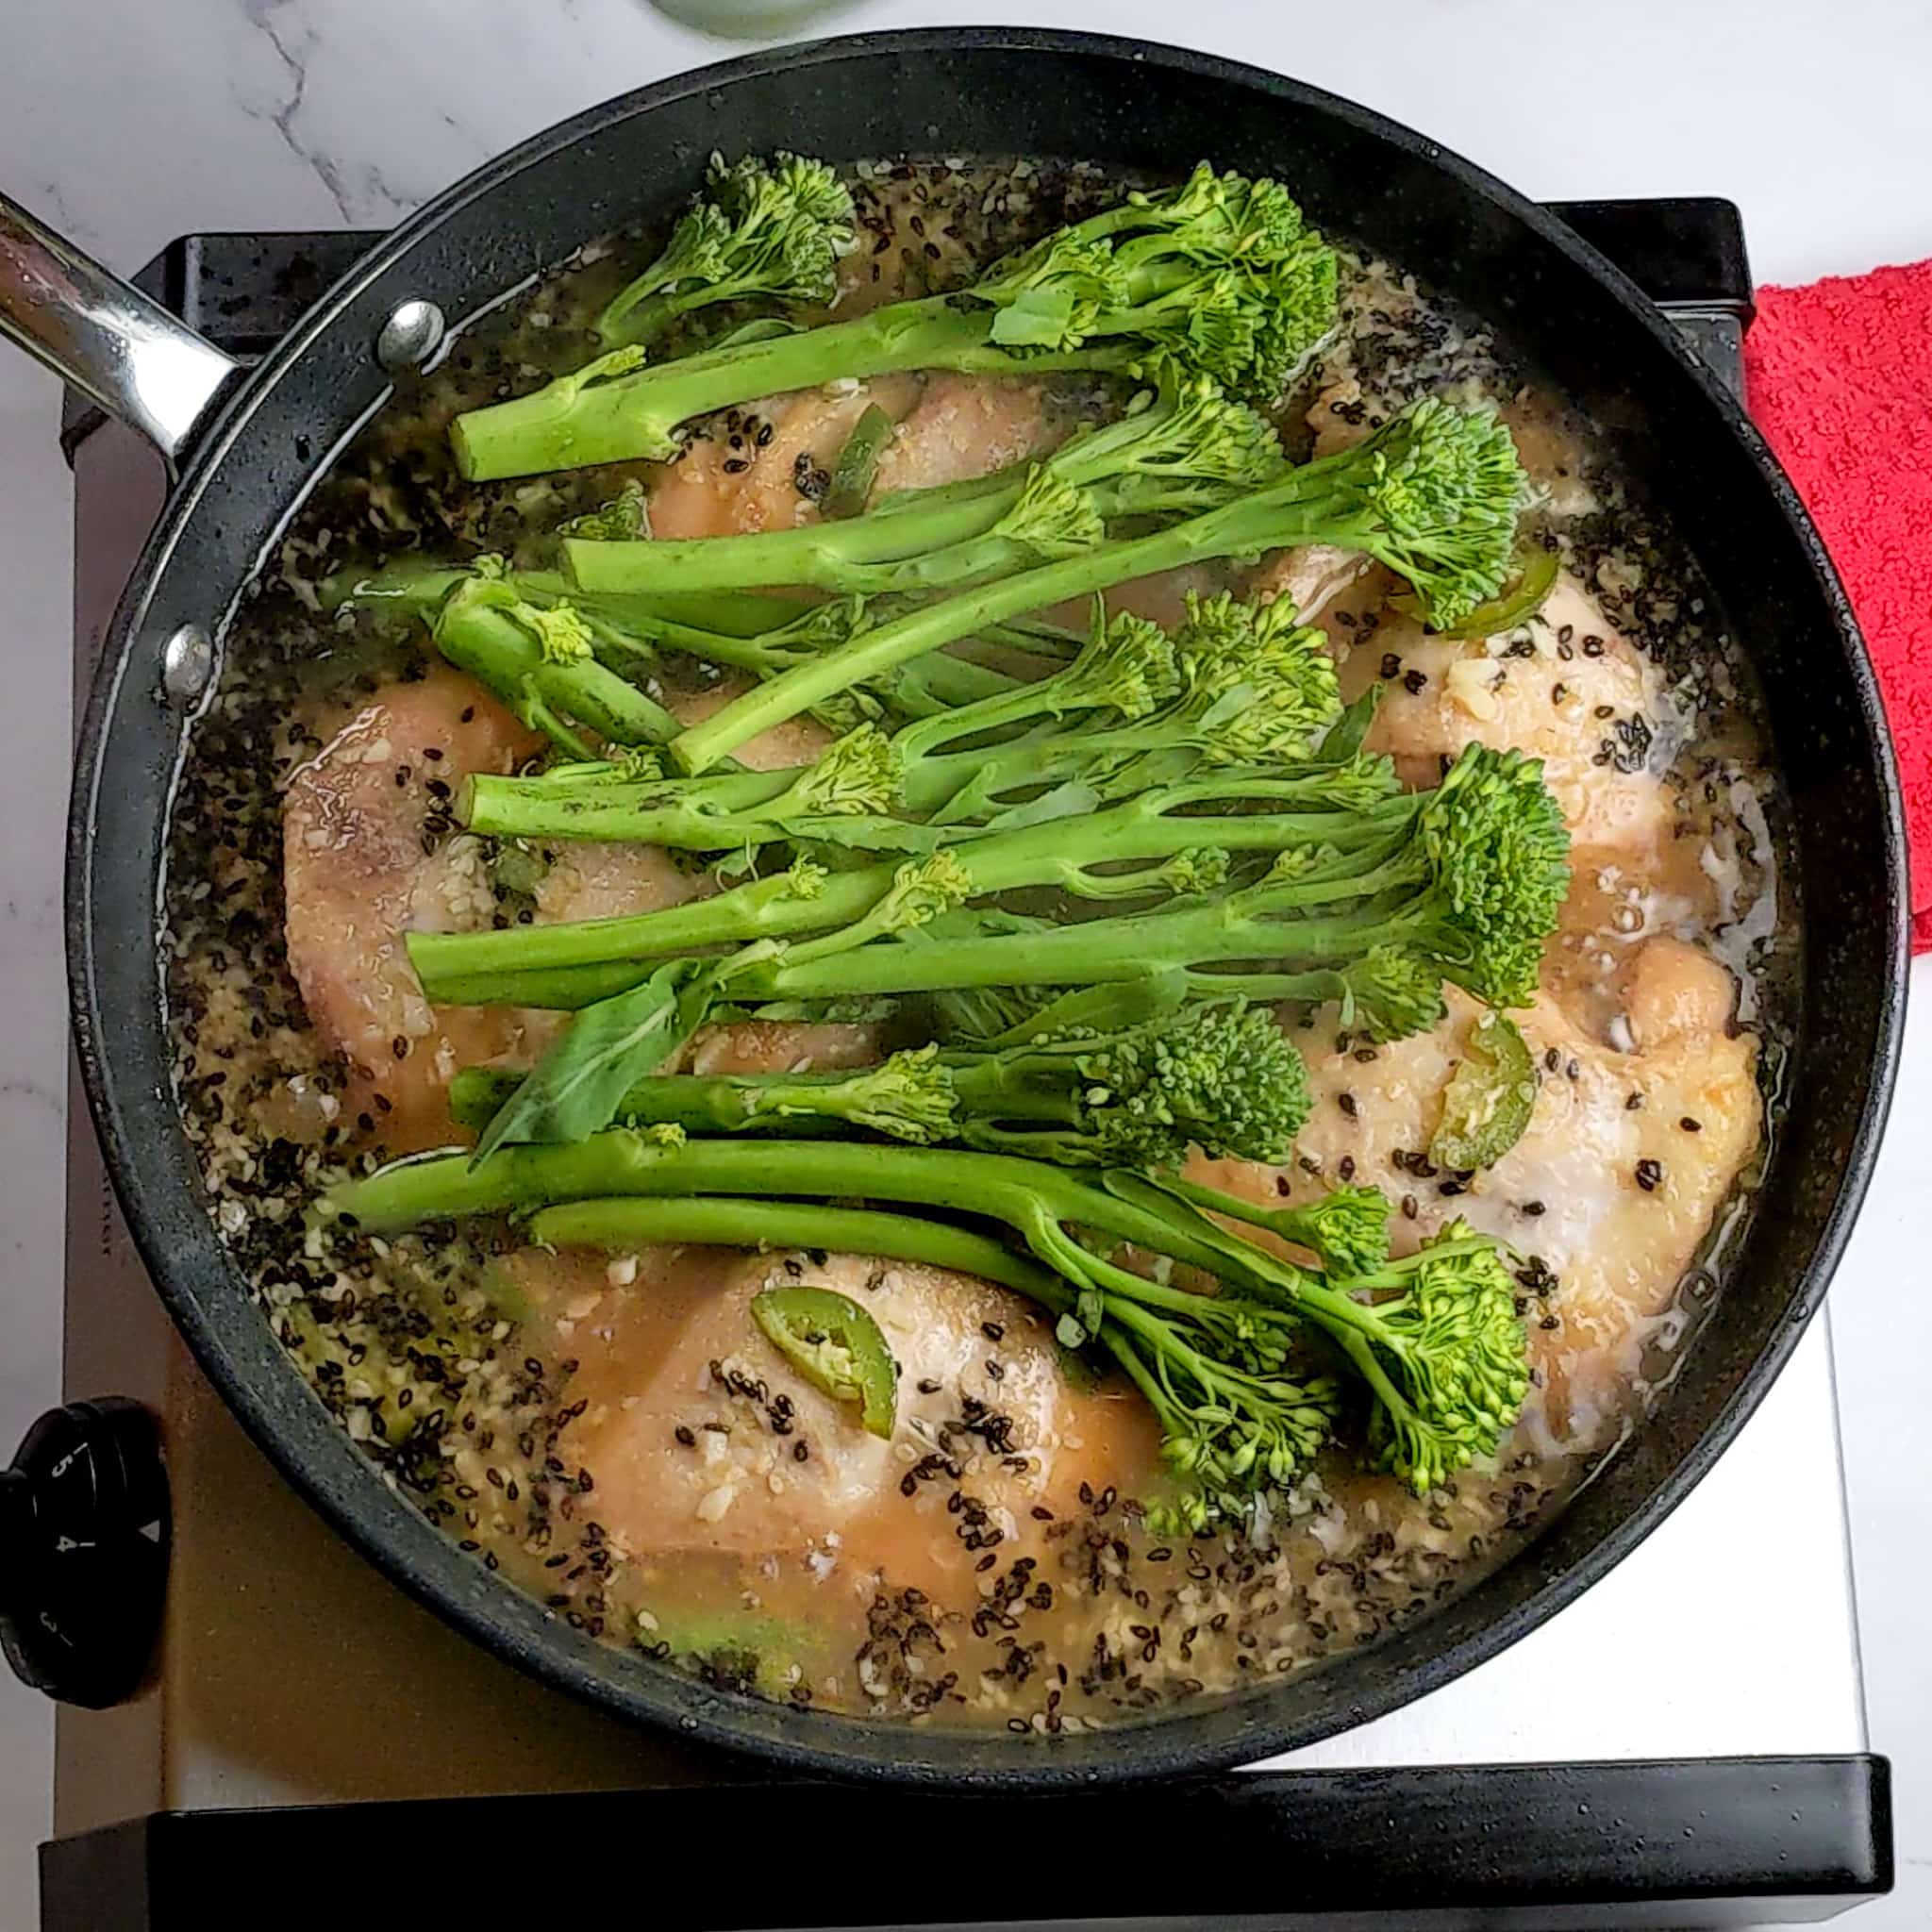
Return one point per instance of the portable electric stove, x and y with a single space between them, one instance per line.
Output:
1684 1745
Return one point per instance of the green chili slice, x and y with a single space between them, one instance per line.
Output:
836 1347
858 464
1489 1099
732 1650
1518 601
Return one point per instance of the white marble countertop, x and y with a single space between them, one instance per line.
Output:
127 121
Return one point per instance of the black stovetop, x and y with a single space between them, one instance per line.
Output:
1680 1842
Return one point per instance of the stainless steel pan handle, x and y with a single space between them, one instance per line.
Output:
104 336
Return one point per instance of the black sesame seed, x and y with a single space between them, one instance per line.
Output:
1415 682
1690 1126
1650 1175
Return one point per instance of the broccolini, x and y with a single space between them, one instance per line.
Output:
1223 1078
1181 447
1434 494
1242 1406
1221 273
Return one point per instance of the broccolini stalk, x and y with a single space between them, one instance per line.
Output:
989 1019
1224 1079
910 1097
639 625
1182 447
1465 881
1434 494
1442 1355
757 232
1236 1419
1174 847
627 1224
1220 274
1241 685
413 585
540 663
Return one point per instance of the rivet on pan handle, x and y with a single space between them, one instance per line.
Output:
106 338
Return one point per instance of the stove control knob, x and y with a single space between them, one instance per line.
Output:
84 1552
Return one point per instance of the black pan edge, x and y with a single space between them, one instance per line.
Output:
136 1120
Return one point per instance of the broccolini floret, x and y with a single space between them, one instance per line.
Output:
1221 1078
1347 1228
758 231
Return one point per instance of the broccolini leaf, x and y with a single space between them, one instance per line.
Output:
575 1087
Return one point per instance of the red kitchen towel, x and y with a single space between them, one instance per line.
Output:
1839 381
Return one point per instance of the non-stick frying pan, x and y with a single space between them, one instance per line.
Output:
247 447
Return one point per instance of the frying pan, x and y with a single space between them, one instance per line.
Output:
246 446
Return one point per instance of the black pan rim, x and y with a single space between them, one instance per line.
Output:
346 1491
